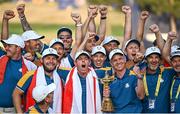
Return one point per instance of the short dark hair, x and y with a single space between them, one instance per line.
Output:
64 29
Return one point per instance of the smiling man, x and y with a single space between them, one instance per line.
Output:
157 82
110 43
44 75
175 87
12 67
127 89
65 34
98 57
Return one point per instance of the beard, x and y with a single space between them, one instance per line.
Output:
47 69
152 67
177 70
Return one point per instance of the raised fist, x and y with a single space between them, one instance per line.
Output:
139 57
90 35
103 10
8 14
144 15
126 9
92 11
136 70
76 17
20 8
154 28
172 35
29 56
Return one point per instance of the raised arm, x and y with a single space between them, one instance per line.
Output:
141 22
94 10
78 33
140 92
92 13
89 36
159 40
140 32
25 25
8 14
127 27
102 27
167 47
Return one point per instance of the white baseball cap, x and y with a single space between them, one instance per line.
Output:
132 40
81 53
40 92
98 49
110 39
54 41
31 35
115 51
16 40
175 53
174 48
152 50
49 51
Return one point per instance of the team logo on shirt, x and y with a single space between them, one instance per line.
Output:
20 70
127 85
161 80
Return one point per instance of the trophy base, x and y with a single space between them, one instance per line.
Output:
107 105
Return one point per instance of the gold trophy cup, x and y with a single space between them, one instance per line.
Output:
107 105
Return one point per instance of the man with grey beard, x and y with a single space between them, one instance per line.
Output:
157 83
172 55
175 87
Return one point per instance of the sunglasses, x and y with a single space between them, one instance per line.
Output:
65 37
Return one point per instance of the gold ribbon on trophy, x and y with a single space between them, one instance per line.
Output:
107 105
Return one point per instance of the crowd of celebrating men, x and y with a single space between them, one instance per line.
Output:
65 78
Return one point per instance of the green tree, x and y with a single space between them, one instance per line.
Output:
107 2
1 1
159 7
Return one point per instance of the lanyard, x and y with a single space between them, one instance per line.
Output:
178 91
157 86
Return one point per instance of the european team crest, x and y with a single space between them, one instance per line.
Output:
127 85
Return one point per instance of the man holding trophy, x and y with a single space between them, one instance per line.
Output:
126 90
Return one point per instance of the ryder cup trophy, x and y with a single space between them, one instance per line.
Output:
107 105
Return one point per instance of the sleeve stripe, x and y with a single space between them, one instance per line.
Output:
19 89
24 78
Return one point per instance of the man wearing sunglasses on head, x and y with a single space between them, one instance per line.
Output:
65 34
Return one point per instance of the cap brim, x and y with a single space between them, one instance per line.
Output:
51 88
115 41
57 43
133 41
57 56
153 53
42 37
121 53
98 52
6 42
118 43
3 41
82 54
174 56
